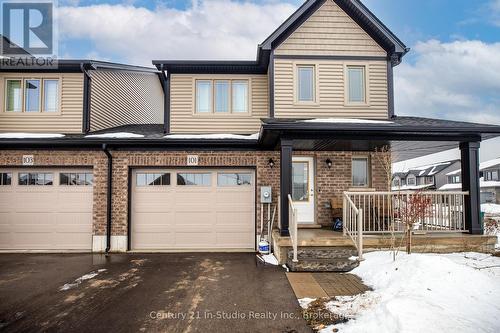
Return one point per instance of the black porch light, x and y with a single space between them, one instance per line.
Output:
270 163
329 163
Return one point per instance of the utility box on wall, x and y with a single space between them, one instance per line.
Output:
265 194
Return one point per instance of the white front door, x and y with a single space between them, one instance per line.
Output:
303 188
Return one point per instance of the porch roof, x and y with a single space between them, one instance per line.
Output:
411 136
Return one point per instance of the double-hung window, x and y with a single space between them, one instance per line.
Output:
356 84
32 95
306 89
360 172
224 96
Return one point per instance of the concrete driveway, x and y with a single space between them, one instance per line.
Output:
196 292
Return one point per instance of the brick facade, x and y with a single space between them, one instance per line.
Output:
330 182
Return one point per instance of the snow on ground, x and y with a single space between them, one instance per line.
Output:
82 278
411 187
30 135
117 135
269 259
489 208
423 293
213 136
346 121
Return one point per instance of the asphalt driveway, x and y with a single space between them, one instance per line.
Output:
195 292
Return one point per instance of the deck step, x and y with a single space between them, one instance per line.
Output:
323 259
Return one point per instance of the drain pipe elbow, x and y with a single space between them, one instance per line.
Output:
108 196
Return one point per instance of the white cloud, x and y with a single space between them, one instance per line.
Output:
216 29
458 80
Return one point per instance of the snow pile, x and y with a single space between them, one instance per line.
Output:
82 278
213 136
30 135
423 293
304 302
268 259
117 135
346 121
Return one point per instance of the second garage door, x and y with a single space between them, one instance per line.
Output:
202 209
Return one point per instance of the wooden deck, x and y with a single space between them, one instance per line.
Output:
318 285
430 242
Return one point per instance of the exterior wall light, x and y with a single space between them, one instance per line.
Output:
329 163
270 163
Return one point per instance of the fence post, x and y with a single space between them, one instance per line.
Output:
360 234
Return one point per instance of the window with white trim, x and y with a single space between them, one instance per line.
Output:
491 175
194 179
234 179
356 84
306 80
411 180
32 95
152 179
5 178
221 96
35 178
76 178
360 171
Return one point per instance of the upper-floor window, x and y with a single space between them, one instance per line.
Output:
221 96
356 84
396 182
306 83
454 179
411 180
491 175
360 171
32 95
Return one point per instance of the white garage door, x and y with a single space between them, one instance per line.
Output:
46 209
193 209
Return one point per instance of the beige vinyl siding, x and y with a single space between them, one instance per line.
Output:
330 31
122 98
184 119
68 120
331 90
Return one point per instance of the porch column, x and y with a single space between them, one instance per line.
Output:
285 182
470 182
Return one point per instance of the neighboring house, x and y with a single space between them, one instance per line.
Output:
489 182
428 177
98 156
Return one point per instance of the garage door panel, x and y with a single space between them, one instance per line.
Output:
199 218
51 217
204 217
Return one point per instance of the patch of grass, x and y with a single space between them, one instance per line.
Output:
318 316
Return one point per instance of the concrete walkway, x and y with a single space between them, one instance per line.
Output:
318 285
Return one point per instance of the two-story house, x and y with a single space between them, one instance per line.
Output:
489 172
428 177
98 156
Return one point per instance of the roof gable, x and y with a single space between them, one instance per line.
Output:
356 10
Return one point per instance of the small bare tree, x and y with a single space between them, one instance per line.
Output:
412 209
384 156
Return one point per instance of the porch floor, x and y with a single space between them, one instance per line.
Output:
442 242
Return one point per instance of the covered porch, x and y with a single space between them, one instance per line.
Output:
450 221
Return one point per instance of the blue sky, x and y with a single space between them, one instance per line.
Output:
452 71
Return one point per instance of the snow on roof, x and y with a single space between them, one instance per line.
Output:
489 164
456 172
117 135
346 121
30 135
434 168
447 187
483 165
482 183
411 187
213 136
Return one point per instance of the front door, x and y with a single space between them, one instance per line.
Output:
303 188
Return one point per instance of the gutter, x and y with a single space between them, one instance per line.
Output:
108 197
